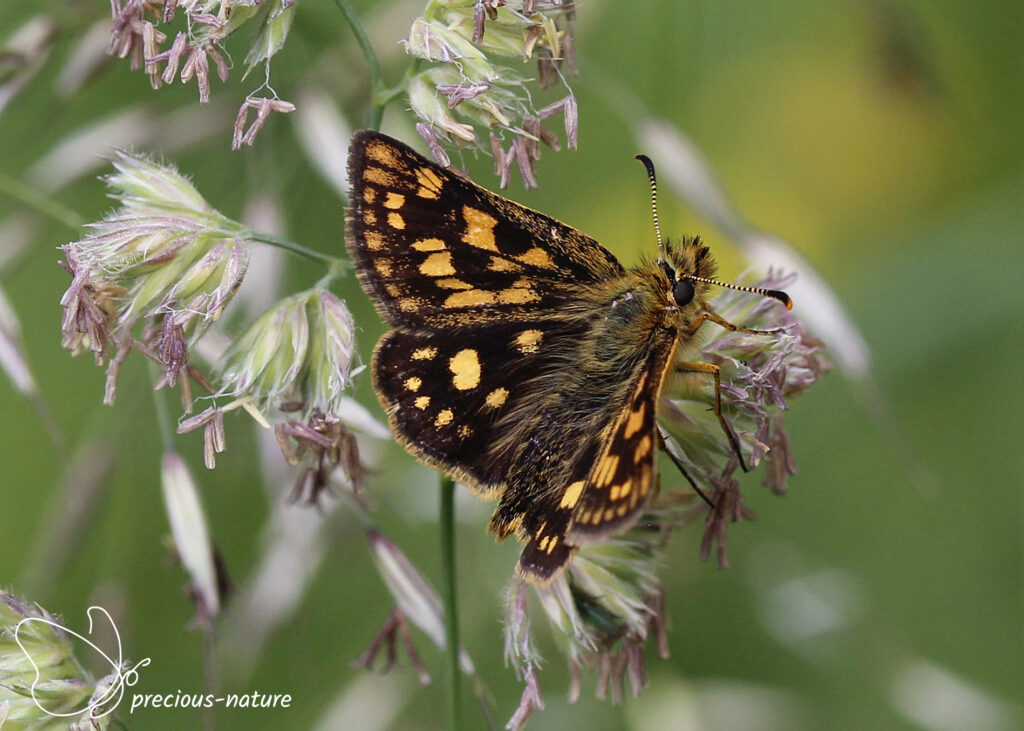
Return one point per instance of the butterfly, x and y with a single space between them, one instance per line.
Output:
523 359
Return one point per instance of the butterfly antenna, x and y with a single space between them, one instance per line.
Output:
777 294
654 202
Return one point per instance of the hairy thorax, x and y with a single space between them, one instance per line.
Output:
622 321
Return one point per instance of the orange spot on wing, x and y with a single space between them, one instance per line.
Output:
430 183
382 152
465 368
438 265
479 229
572 495
605 472
537 257
517 296
635 420
428 245
643 448
470 298
528 341
380 176
497 264
374 241
496 398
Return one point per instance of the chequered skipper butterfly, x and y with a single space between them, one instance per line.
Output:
524 360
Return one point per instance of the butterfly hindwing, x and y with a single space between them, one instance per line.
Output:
436 250
447 393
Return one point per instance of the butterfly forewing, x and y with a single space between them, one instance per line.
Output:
620 481
610 481
435 250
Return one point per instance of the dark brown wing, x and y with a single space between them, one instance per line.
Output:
446 392
610 482
434 250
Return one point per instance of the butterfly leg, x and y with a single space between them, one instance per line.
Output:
681 467
709 314
715 372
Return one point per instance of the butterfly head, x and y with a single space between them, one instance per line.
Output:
682 263
689 266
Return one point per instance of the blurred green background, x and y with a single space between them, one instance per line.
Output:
882 139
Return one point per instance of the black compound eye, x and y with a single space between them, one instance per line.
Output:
683 292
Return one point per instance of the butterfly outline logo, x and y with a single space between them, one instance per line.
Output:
121 677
